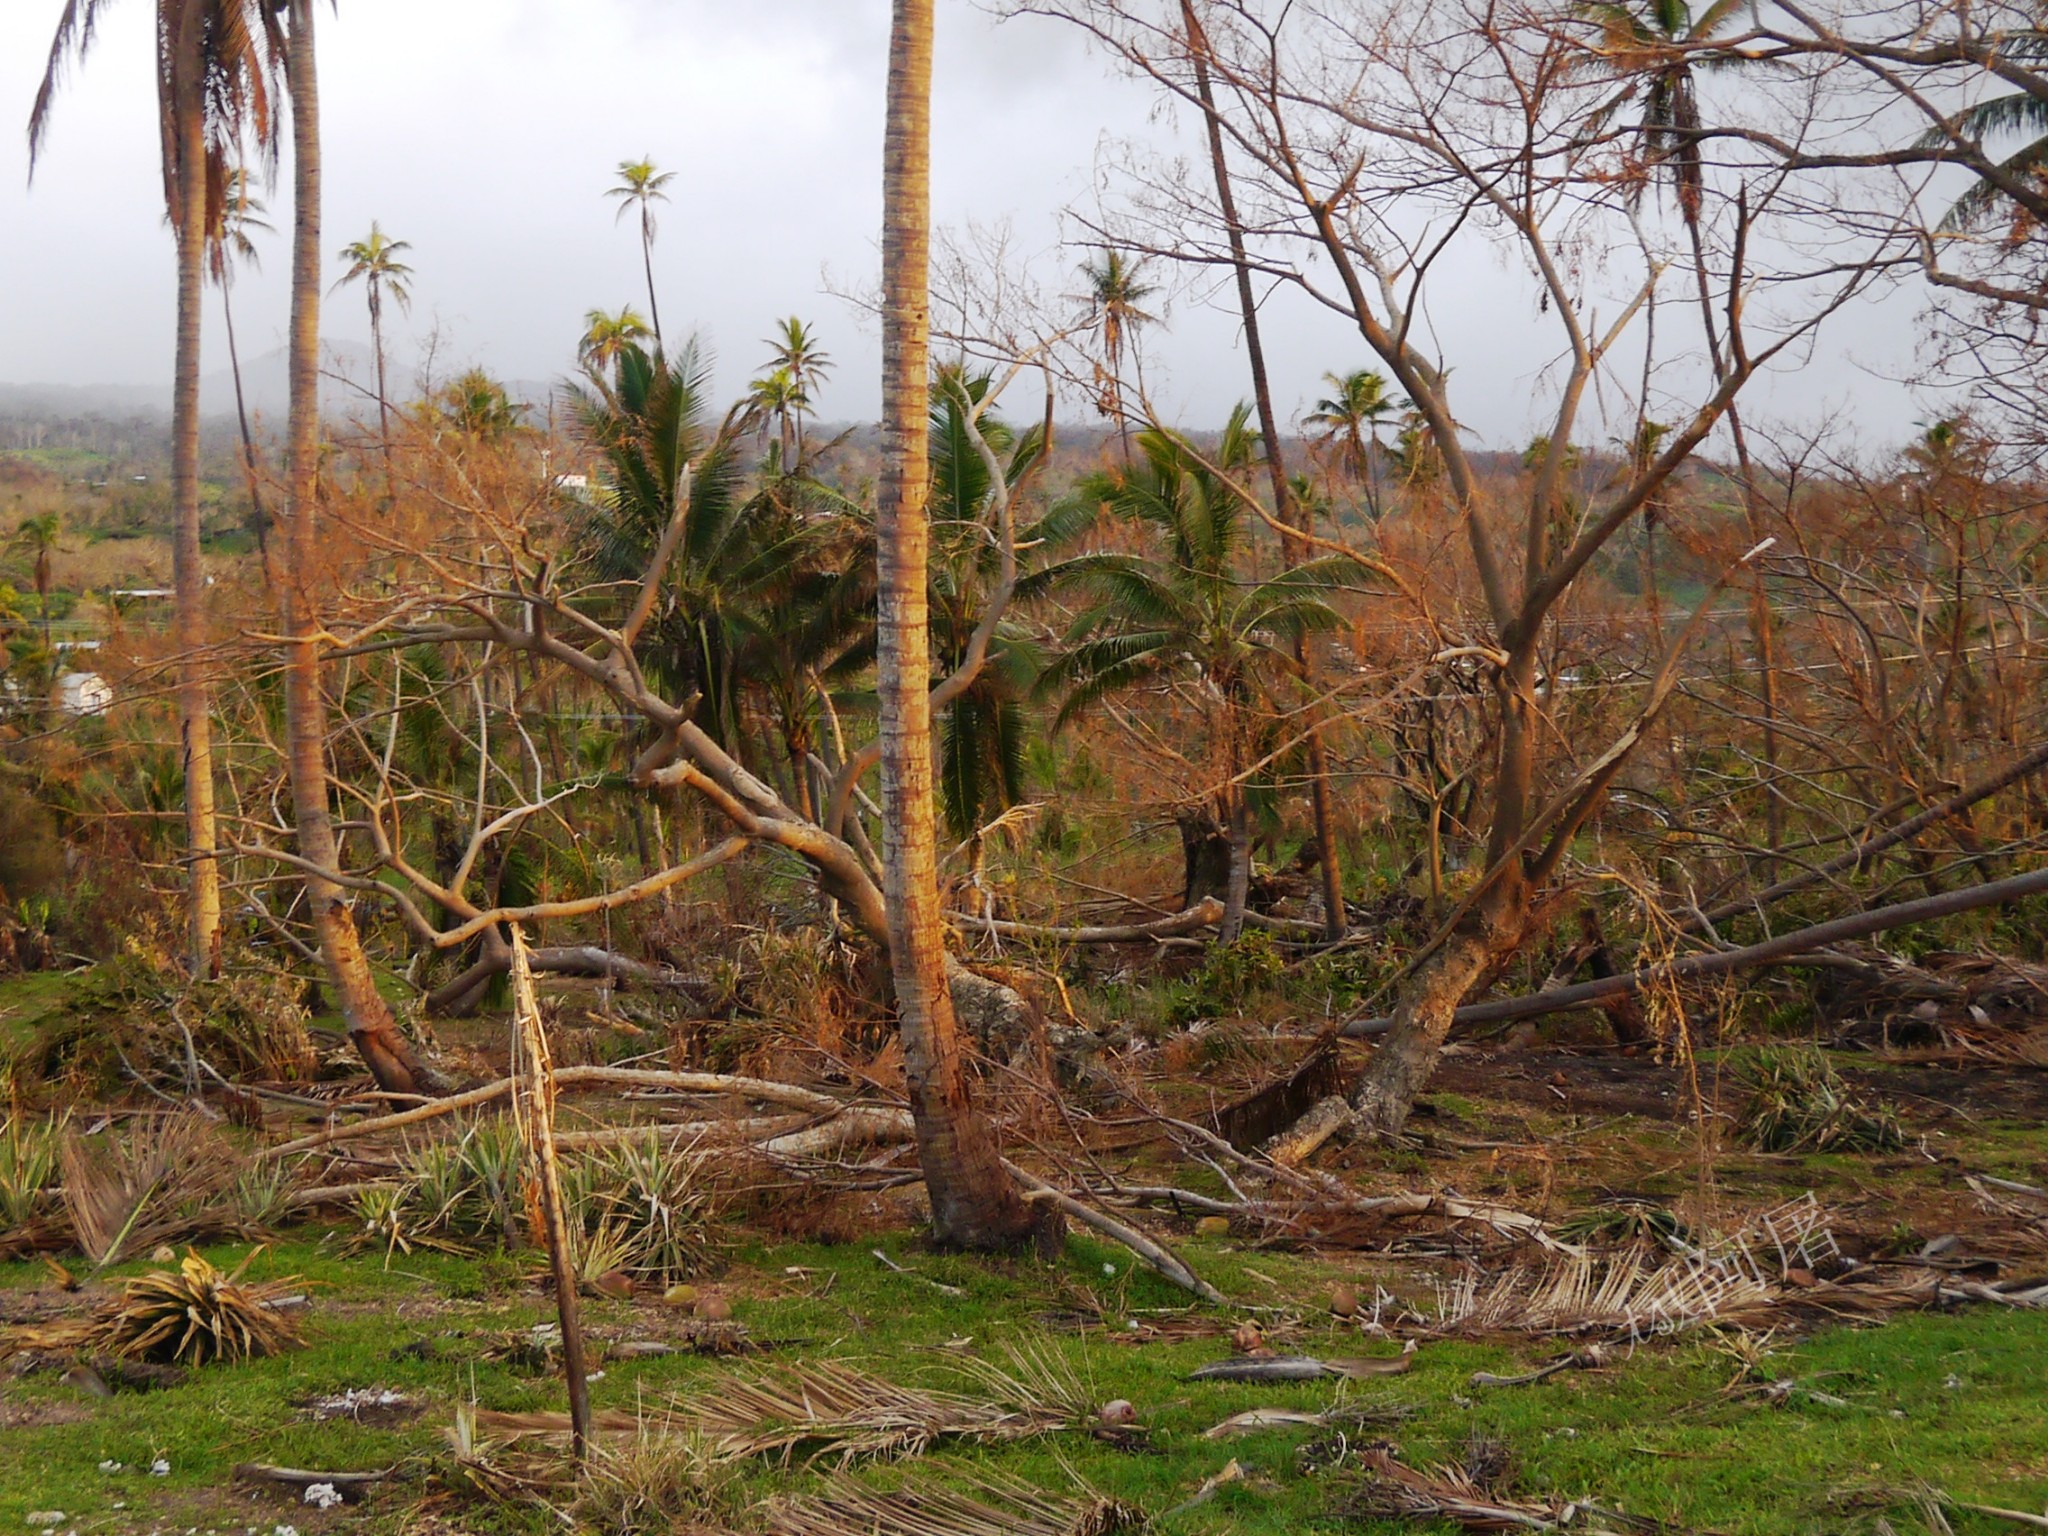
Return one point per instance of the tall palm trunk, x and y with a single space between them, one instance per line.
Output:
383 393
1284 505
249 463
647 261
370 1025
188 578
974 1204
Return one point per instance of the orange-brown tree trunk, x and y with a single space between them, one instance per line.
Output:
974 1204
371 1027
195 722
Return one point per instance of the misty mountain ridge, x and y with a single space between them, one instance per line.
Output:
347 384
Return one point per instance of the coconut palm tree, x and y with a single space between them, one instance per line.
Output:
1117 290
371 1027
974 1204
640 188
1350 418
2002 117
37 539
985 734
794 348
228 243
217 64
606 337
374 263
777 398
1192 616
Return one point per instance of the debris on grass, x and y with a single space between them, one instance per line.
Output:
195 1314
824 1411
989 1506
654 1482
1303 1367
1391 1490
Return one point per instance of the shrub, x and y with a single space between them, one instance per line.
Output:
1799 1103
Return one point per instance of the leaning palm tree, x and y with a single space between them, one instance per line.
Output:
217 64
606 337
640 188
1117 289
374 263
1192 617
371 1027
1350 418
794 349
973 1202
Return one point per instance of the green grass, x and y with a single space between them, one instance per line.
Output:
1958 1400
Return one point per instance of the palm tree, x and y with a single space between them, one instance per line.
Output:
794 349
216 71
985 735
640 187
606 337
973 1202
1350 417
371 1027
1192 616
37 538
241 214
1117 290
2019 112
1657 49
374 263
777 397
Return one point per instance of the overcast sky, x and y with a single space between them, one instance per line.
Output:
485 131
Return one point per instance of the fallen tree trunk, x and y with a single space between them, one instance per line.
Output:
1854 860
1788 947
791 1095
1205 913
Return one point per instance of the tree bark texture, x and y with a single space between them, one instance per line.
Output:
195 721
370 1025
974 1203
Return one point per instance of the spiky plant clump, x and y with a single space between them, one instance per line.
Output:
196 1314
1799 1103
1621 1221
655 1199
28 1171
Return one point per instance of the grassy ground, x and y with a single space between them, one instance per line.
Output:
1959 1401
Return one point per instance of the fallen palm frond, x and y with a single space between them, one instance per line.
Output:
195 1314
1391 1491
1630 1295
156 1182
824 1410
1303 1367
987 1507
836 1411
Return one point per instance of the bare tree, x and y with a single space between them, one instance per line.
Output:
1373 142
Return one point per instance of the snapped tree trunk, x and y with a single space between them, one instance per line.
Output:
370 1025
195 723
974 1203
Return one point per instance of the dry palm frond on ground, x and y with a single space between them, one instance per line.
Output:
987 1507
1630 1295
836 1411
195 1314
826 1410
153 1183
1389 1490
